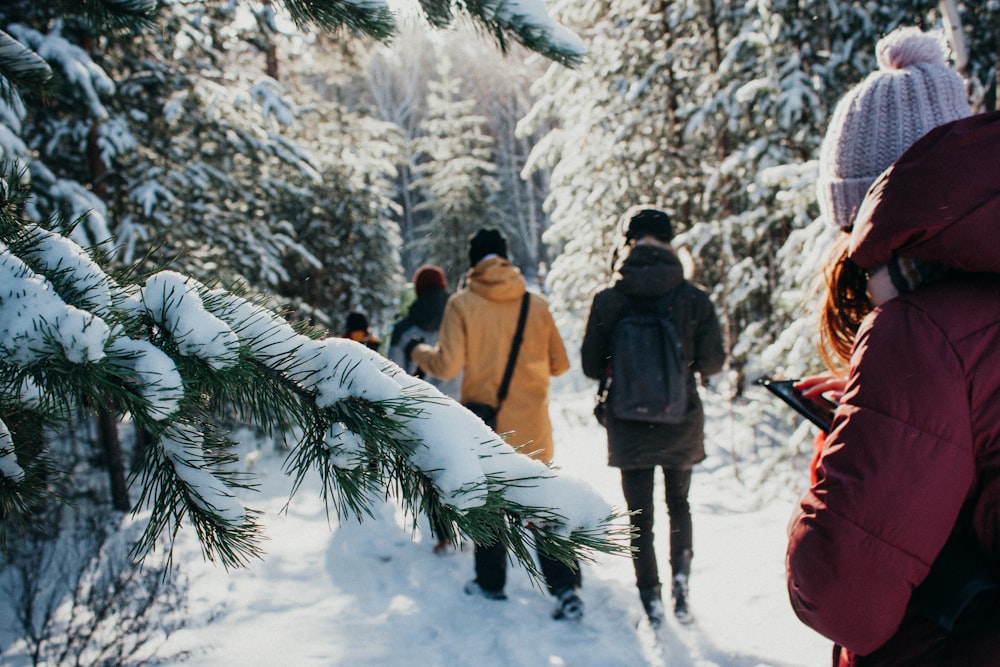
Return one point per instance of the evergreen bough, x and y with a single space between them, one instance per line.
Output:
181 360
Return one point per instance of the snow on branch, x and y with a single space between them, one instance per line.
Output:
173 301
76 65
461 455
360 411
154 375
54 253
334 368
8 460
36 323
183 446
532 25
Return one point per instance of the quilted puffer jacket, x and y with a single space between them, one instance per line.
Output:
914 453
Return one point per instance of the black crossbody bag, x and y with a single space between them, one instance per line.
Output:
484 411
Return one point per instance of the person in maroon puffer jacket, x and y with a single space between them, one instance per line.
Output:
912 464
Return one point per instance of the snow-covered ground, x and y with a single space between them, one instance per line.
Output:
373 593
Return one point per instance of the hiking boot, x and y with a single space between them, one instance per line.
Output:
473 588
653 604
569 606
680 595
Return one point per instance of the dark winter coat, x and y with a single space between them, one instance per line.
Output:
425 313
914 453
648 273
421 324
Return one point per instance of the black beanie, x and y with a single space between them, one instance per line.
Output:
486 242
357 322
649 222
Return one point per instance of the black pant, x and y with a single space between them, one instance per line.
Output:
638 488
491 570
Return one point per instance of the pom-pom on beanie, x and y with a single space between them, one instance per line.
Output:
486 242
640 221
429 277
913 91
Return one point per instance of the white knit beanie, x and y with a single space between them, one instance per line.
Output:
913 91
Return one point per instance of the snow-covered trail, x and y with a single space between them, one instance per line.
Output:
373 593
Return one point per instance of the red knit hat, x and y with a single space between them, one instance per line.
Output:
429 277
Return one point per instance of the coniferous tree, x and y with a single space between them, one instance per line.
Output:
715 112
180 357
454 174
502 88
617 137
499 89
396 82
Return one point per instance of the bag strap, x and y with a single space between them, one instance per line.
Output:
514 349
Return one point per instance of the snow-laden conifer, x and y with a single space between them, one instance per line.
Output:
174 356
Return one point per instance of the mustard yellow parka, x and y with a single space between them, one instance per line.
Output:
476 333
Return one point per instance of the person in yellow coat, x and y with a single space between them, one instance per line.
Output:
475 338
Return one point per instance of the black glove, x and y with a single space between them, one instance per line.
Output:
408 350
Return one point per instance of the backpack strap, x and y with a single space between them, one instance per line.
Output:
514 349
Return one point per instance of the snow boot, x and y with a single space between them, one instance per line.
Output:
473 588
680 595
569 606
652 602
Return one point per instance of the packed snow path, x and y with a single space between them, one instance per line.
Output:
374 595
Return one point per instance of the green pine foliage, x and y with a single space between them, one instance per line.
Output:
179 360
454 174
206 172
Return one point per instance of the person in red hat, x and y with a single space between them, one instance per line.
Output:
420 325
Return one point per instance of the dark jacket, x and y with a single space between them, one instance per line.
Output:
914 454
421 324
649 273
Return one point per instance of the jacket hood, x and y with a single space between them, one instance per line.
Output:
939 202
650 271
496 279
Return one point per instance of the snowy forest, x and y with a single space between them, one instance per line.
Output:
195 193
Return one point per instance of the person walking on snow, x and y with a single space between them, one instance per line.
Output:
894 552
650 275
421 324
476 333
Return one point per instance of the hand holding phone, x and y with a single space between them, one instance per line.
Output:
830 385
818 409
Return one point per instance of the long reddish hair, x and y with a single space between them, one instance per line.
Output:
845 306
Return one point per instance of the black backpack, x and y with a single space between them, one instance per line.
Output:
648 373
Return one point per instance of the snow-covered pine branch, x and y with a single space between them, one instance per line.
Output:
166 350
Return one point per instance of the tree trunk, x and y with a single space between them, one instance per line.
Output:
956 37
143 439
272 62
107 435
107 427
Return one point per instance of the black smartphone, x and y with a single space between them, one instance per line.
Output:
818 410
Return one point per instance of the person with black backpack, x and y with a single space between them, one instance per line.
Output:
647 337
